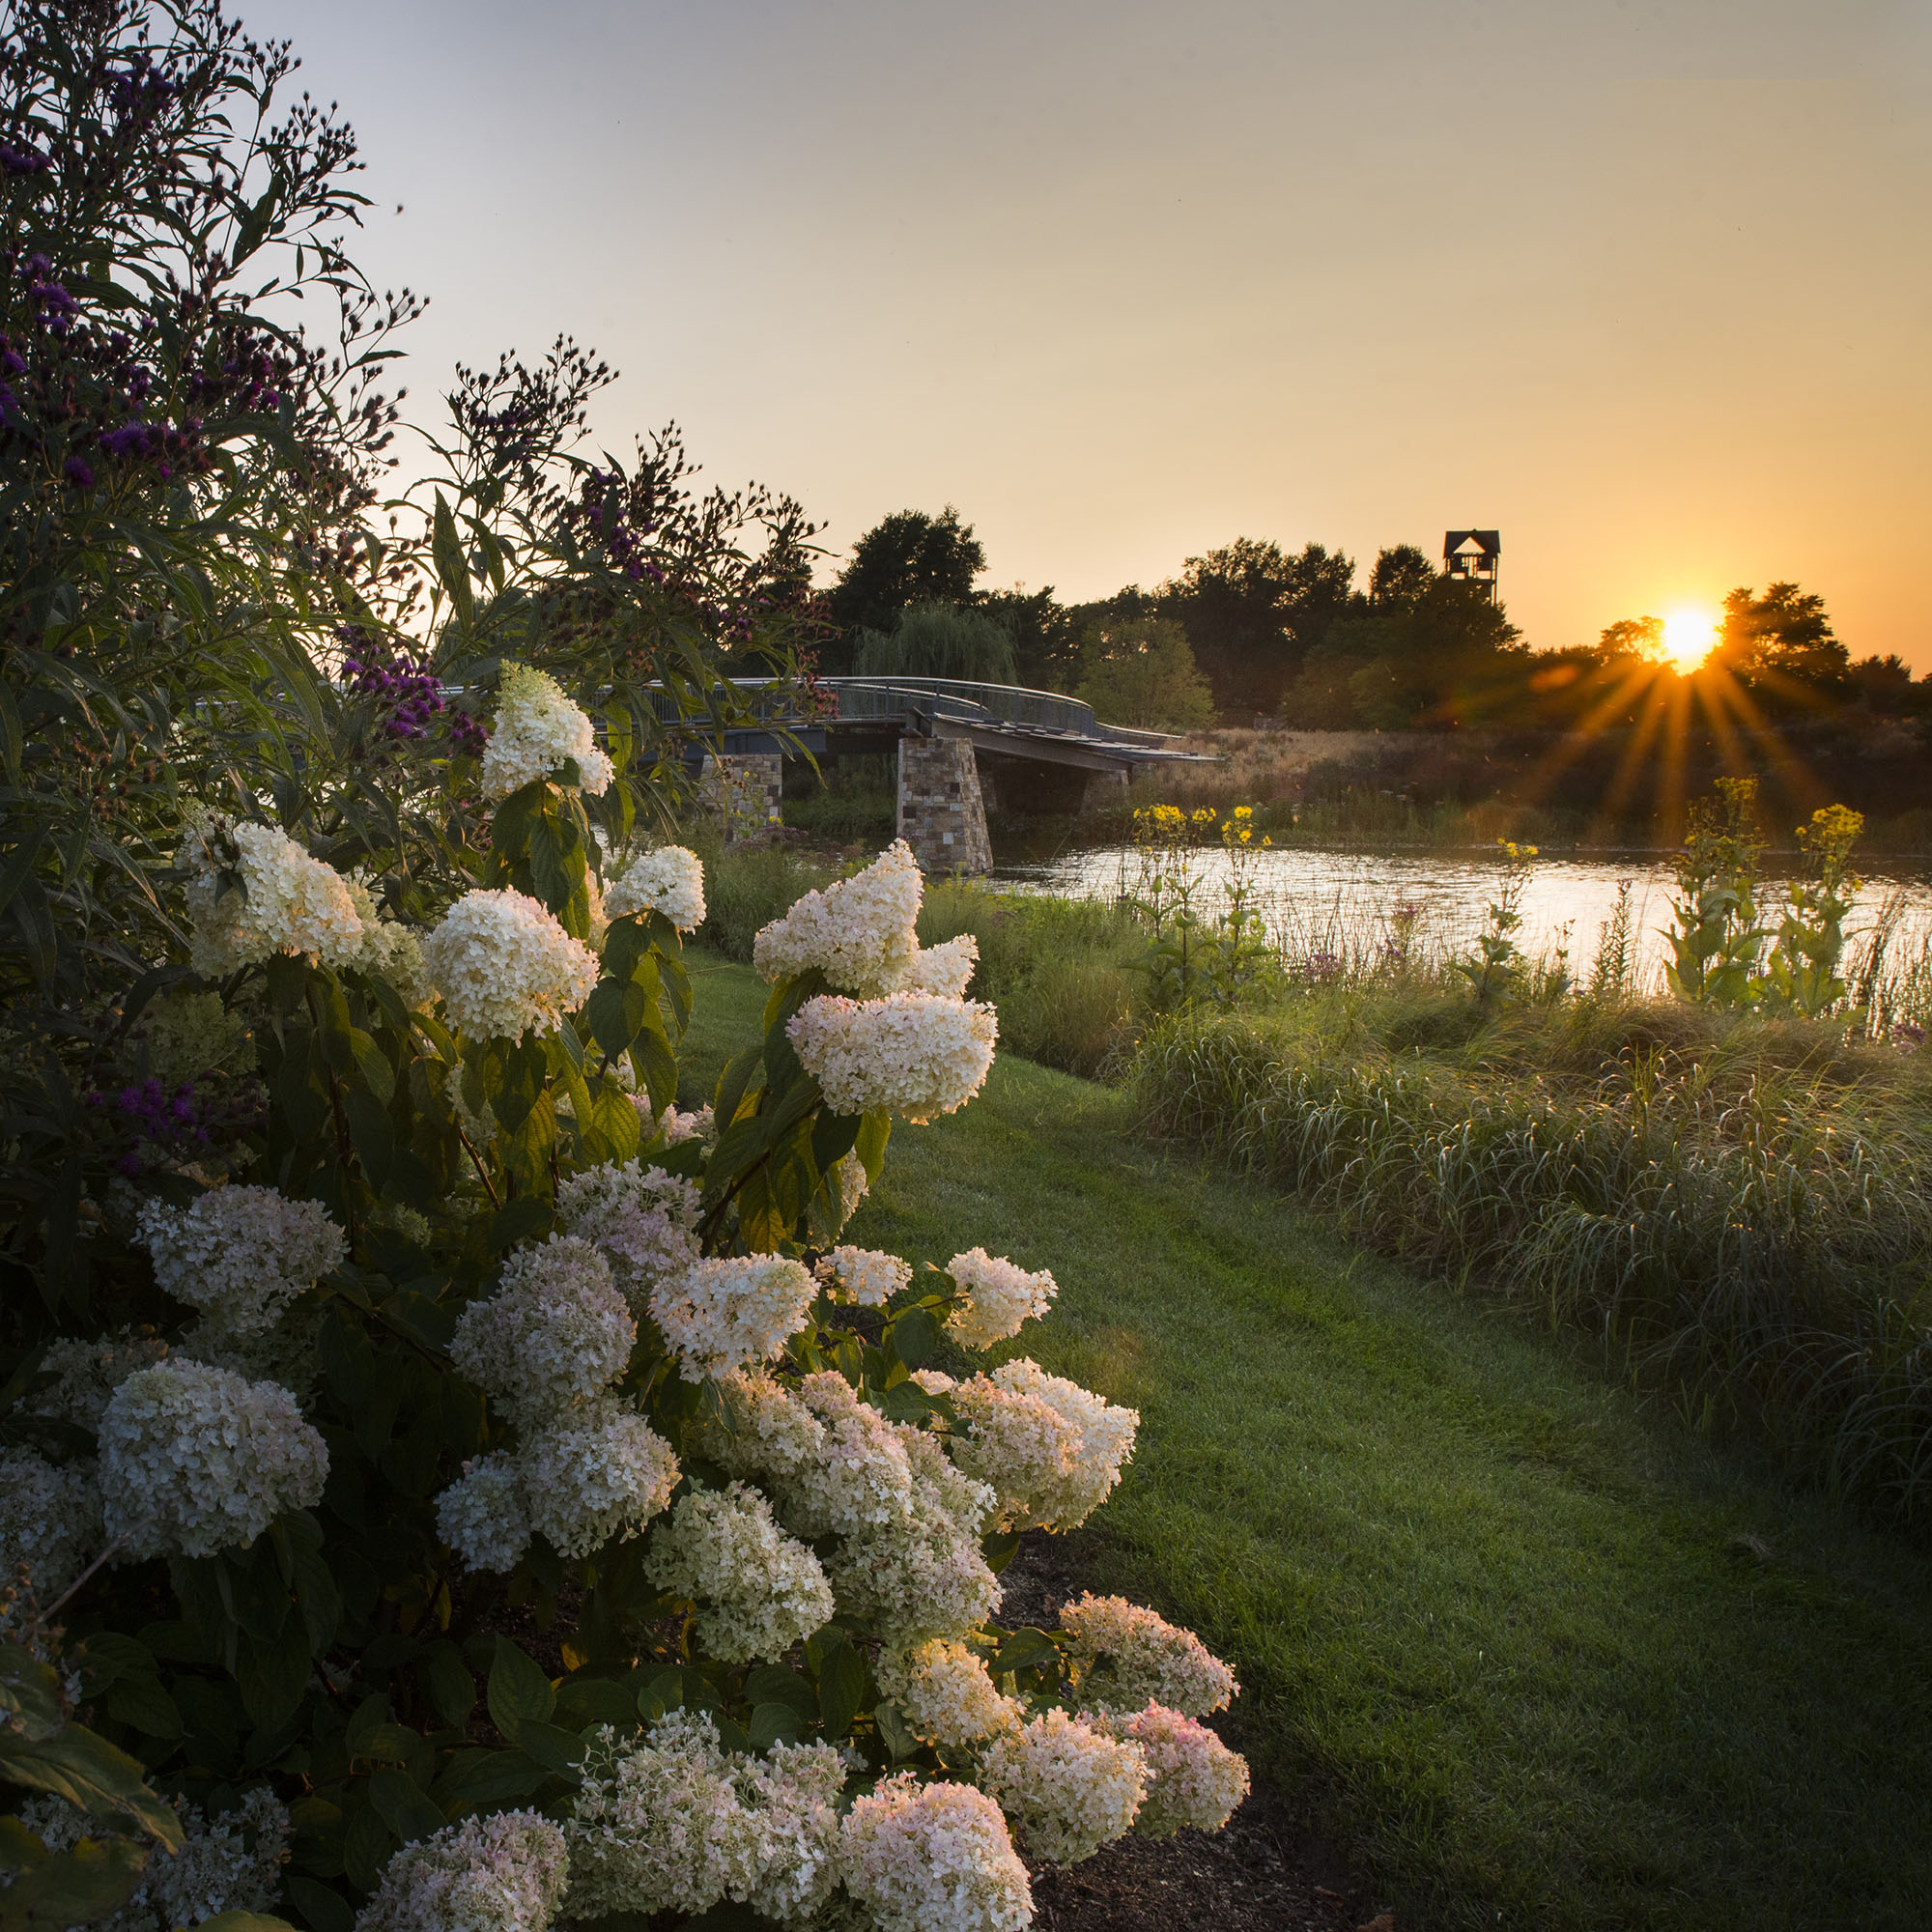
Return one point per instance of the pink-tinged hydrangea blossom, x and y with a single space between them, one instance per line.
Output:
856 931
504 965
996 1297
537 730
506 1873
945 1693
644 1219
552 1336
1104 1440
669 880
1067 1788
757 1590
723 1314
916 1054
603 1473
1194 1780
196 1458
239 1254
934 1858
1125 1657
863 1275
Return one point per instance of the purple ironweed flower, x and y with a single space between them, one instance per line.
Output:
77 472
23 160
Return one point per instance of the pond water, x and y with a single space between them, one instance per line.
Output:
1330 910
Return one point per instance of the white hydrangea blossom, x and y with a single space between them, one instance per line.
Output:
833 1465
792 1796
503 964
49 1520
934 1858
1125 1657
538 729
909 1523
996 1297
865 1276
1105 1434
196 1458
86 1374
922 1574
506 1873
239 1254
1016 1443
946 1694
913 1054
1067 1788
289 901
669 880
724 1313
482 1515
757 1590
659 1827
229 1862
553 1335
644 1219
604 1472
856 931
945 969
1194 1781
387 950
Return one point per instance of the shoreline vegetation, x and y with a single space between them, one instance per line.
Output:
1389 790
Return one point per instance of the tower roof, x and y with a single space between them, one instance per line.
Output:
1467 543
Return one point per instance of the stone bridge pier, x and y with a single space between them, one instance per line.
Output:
941 810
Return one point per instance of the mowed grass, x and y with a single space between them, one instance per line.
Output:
1544 1661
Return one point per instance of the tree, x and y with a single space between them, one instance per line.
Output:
1782 641
938 640
1142 674
1046 636
1630 637
1400 580
908 557
1251 612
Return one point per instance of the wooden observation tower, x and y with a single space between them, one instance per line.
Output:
1472 556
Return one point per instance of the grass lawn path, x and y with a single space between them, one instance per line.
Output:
1554 1664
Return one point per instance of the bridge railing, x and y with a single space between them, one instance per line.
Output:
965 700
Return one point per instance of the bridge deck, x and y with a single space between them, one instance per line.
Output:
874 713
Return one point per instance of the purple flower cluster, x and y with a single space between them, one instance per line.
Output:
410 691
22 161
187 1118
54 307
470 735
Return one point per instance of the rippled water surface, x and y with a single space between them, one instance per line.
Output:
1344 906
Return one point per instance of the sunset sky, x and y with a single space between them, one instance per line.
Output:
1646 286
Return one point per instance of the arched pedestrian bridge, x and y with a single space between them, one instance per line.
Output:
958 741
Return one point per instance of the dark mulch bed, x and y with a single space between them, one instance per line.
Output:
1272 1870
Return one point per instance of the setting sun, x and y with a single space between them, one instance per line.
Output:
1688 637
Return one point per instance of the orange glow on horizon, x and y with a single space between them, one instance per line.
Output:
1688 634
